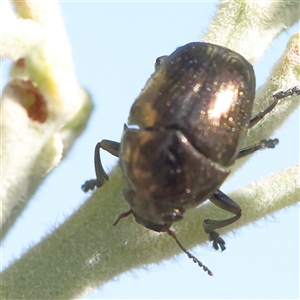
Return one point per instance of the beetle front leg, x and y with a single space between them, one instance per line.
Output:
101 176
223 201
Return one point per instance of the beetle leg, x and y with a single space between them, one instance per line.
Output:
159 61
101 176
223 201
263 144
276 97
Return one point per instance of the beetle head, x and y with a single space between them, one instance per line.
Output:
163 228
150 213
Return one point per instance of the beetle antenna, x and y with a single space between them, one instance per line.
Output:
121 216
195 260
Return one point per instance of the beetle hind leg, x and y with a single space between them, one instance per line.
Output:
101 176
223 201
263 144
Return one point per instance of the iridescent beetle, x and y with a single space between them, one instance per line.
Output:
193 116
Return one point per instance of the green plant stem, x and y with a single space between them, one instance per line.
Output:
87 250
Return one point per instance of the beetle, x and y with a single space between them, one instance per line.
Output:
192 118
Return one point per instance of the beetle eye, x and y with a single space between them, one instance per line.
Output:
174 216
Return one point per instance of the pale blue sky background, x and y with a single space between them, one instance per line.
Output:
114 49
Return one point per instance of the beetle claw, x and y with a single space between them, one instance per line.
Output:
89 185
217 241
